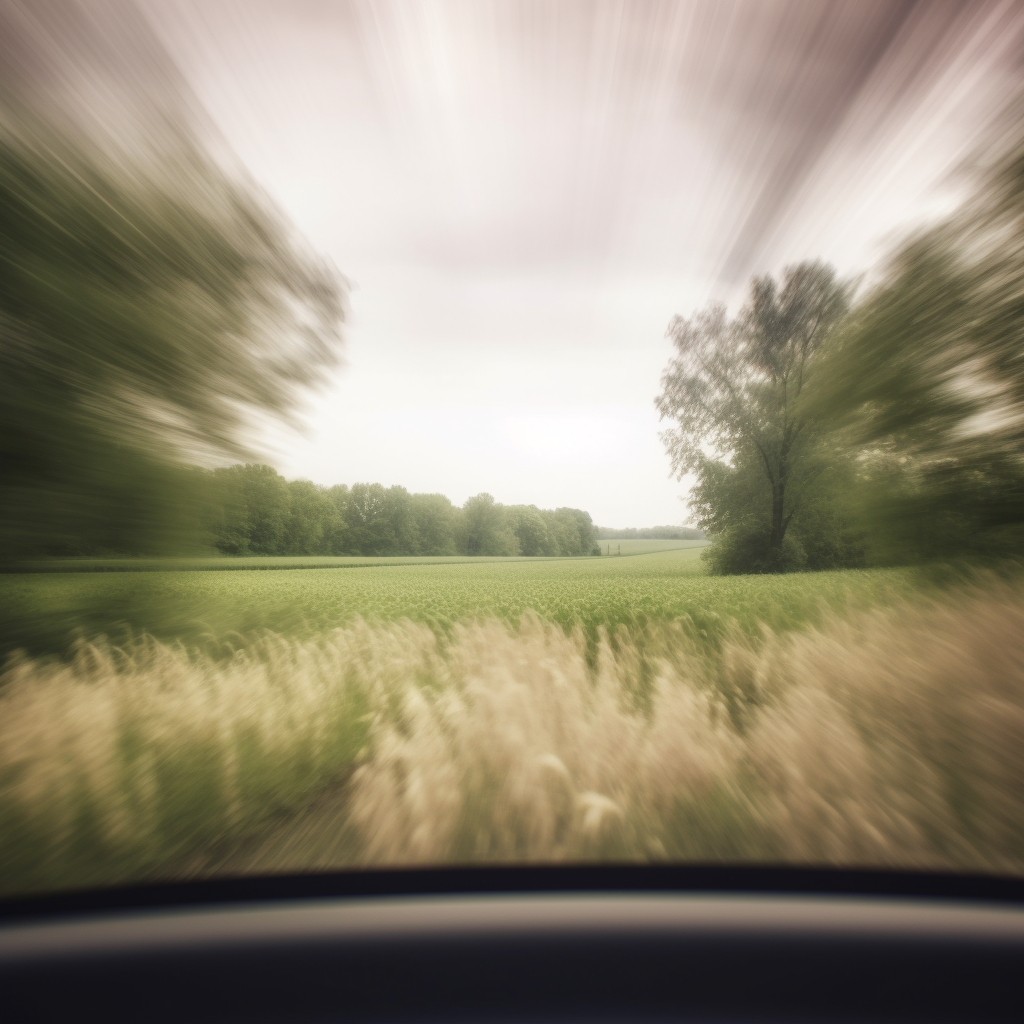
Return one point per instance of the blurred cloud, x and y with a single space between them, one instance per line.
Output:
525 193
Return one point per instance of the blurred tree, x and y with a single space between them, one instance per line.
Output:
583 537
254 503
368 525
401 515
735 389
928 377
438 524
147 312
228 511
528 524
311 523
488 531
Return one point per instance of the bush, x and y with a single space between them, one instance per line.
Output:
746 549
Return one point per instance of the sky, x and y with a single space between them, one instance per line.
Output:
523 194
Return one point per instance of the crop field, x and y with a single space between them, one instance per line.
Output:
222 563
890 737
647 547
627 707
42 611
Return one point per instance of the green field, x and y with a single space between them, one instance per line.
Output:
205 563
647 547
624 708
41 611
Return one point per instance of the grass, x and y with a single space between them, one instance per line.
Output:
421 711
644 546
42 612
220 563
883 737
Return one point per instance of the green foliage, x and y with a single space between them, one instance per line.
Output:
314 525
760 459
438 524
255 500
748 549
147 308
252 510
41 611
488 528
368 519
531 530
928 381
563 532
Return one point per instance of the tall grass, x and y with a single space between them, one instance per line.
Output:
892 737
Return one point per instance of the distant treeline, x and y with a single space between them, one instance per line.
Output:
650 533
253 510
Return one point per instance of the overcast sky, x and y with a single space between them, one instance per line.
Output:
523 194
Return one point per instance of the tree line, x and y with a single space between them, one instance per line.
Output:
826 430
252 510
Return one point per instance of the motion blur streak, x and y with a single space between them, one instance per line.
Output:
527 193
568 132
523 191
152 301
890 738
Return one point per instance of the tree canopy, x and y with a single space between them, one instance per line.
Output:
735 388
927 378
253 510
147 312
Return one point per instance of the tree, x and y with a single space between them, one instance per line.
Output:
582 538
253 511
927 378
338 495
488 531
151 304
736 390
531 530
367 522
228 512
438 524
400 510
312 520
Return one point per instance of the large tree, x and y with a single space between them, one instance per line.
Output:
735 388
438 524
928 376
489 530
153 305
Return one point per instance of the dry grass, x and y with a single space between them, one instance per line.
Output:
895 737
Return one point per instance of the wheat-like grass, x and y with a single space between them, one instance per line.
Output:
893 737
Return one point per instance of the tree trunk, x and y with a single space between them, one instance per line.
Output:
778 516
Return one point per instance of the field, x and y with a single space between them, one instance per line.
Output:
42 611
226 562
628 707
646 547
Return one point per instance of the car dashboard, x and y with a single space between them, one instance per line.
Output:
527 951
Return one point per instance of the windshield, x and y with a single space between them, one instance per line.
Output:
495 433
